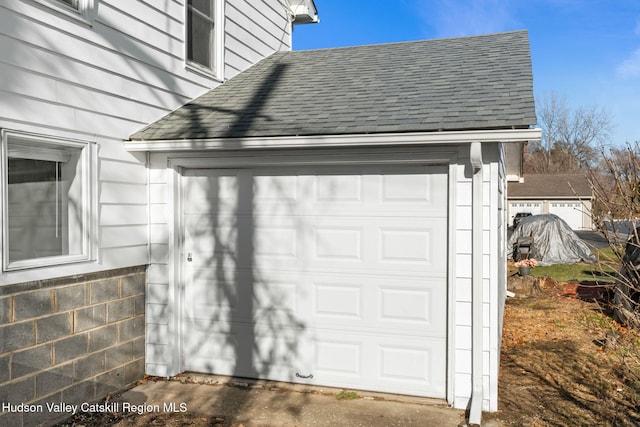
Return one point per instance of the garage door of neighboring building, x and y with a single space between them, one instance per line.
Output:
571 212
333 276
534 208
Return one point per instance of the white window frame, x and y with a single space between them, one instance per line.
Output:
216 45
88 156
85 12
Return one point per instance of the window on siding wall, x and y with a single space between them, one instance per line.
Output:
203 33
46 201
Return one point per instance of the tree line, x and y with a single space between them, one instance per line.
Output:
578 141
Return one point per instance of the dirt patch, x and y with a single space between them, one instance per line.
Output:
564 362
134 420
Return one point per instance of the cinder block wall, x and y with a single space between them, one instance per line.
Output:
69 340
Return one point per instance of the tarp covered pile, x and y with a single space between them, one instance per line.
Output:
554 241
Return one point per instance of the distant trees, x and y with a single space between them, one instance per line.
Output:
571 138
616 182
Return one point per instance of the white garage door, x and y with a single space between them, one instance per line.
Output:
571 212
534 208
332 276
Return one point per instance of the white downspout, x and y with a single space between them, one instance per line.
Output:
475 410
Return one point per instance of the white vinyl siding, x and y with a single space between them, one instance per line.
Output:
81 11
101 78
254 31
124 72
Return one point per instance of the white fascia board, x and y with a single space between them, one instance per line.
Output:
414 138
543 198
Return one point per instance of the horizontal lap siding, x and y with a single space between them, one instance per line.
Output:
254 29
159 323
97 83
104 81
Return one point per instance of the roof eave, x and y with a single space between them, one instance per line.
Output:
566 197
349 140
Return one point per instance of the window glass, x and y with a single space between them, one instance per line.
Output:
46 200
200 32
72 3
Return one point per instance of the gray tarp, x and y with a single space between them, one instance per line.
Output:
554 241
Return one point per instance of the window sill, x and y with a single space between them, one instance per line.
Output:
46 262
84 15
203 71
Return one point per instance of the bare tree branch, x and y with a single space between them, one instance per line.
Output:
569 137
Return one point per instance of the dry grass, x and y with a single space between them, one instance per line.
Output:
566 363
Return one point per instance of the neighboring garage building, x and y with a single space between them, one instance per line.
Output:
569 196
337 217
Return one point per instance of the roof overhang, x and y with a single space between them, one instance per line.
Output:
573 197
303 11
352 140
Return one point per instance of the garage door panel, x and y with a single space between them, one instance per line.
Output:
410 245
338 301
341 244
381 363
279 242
387 304
335 357
270 297
393 303
571 212
379 245
337 272
273 352
216 192
331 189
275 189
407 188
414 363
211 351
407 305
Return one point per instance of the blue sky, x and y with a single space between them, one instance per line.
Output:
587 51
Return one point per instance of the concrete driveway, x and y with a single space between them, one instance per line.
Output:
594 239
256 403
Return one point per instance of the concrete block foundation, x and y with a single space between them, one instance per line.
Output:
69 340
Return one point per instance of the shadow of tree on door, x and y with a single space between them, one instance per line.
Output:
246 319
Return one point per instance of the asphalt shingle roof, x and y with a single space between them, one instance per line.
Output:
547 186
480 82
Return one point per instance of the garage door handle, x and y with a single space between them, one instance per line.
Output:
189 258
304 376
